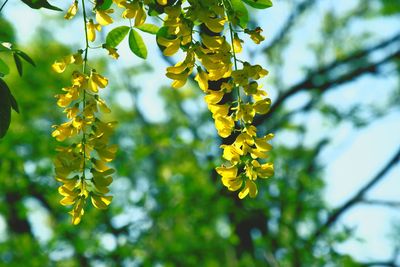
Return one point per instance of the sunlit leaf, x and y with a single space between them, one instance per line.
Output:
136 44
149 28
115 37
259 4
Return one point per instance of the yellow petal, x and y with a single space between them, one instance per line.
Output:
227 171
202 79
101 202
103 18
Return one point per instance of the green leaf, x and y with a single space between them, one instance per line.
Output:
115 37
240 13
103 4
136 44
149 28
259 4
5 108
14 103
4 69
25 57
18 63
36 4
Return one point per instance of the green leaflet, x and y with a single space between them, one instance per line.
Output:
36 4
18 63
136 44
7 101
149 28
115 37
4 69
103 4
259 4
240 14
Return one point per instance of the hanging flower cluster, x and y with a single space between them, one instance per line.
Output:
207 32
233 94
81 166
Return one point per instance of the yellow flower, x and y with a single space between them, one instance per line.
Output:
213 42
202 79
263 170
219 110
140 17
77 211
162 2
78 79
231 153
245 112
229 177
107 153
102 105
64 131
72 10
111 51
214 24
103 18
250 188
237 44
72 112
171 45
91 30
224 125
95 81
60 65
255 35
214 97
100 202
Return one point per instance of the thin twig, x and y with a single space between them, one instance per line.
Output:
2 6
355 199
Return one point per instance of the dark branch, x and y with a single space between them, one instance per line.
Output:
355 199
387 203
379 264
290 22
321 79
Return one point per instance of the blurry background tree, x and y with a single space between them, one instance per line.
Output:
334 71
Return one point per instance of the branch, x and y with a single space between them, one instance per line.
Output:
356 198
320 79
380 264
290 22
387 203
3 5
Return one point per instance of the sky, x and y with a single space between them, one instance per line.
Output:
354 156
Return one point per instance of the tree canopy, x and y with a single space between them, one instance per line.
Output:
177 199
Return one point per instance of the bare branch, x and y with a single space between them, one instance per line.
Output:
322 79
355 199
300 9
387 203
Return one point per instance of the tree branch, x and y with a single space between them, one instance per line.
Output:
290 22
387 203
321 79
356 198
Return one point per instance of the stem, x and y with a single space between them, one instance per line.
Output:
2 6
85 58
234 58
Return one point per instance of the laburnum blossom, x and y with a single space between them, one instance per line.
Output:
72 10
232 91
231 87
89 146
255 35
91 30
133 10
103 17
